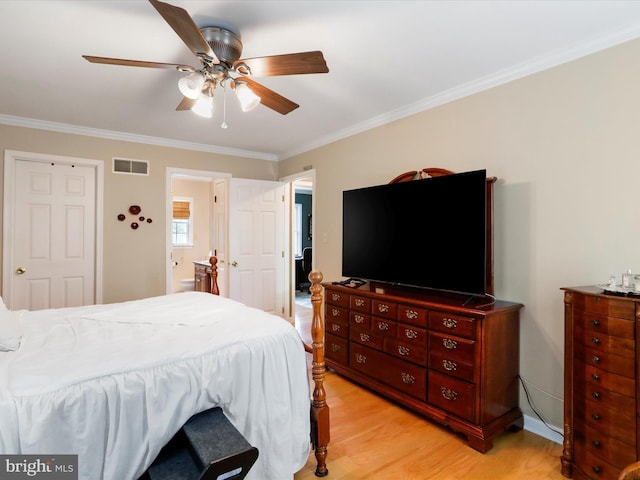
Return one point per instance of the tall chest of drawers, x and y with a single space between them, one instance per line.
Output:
600 416
455 364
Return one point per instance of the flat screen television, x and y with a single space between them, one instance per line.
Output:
429 233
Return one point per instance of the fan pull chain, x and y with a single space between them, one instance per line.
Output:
224 107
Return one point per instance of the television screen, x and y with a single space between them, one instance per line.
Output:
427 233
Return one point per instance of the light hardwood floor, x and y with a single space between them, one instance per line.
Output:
374 439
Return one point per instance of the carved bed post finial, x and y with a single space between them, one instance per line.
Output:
214 275
319 407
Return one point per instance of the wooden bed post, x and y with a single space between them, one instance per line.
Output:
214 276
319 407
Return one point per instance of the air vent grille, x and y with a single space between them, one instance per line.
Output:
132 167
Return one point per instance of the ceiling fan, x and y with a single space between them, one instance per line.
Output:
219 51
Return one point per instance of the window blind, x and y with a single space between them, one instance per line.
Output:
181 210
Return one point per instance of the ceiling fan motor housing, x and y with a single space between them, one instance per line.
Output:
224 43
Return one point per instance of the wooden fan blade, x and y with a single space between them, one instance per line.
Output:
185 104
288 64
138 63
271 99
185 27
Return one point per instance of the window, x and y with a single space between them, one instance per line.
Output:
182 222
297 230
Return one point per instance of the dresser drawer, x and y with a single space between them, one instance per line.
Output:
452 324
607 399
384 309
359 319
336 328
413 335
617 327
604 360
452 366
360 304
612 422
383 326
337 298
366 337
609 449
606 306
412 315
406 351
454 396
399 374
605 343
337 314
459 349
592 466
337 349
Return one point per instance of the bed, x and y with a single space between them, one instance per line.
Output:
113 383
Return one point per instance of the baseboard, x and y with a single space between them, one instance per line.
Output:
533 425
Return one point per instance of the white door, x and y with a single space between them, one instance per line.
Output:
256 244
52 236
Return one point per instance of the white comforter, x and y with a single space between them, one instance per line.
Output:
113 383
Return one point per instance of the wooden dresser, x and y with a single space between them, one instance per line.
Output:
600 387
202 276
455 364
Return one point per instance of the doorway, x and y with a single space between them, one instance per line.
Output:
302 239
198 233
52 255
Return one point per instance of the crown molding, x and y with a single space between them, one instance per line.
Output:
129 137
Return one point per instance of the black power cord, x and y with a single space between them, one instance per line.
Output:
526 392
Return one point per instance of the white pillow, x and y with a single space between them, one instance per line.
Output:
10 330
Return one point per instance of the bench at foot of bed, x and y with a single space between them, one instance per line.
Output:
207 447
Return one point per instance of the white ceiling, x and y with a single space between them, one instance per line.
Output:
386 59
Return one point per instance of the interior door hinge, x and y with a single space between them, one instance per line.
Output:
282 254
283 198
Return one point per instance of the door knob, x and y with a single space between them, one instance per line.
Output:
20 270
234 264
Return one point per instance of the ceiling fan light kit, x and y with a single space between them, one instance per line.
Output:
219 50
191 85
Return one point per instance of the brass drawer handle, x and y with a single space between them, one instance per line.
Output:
384 326
335 327
364 337
402 350
410 333
406 378
595 395
335 348
449 344
335 297
595 323
359 302
448 394
595 341
596 444
449 322
595 417
361 358
595 359
449 365
596 469
382 308
411 315
358 318
335 312
595 376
